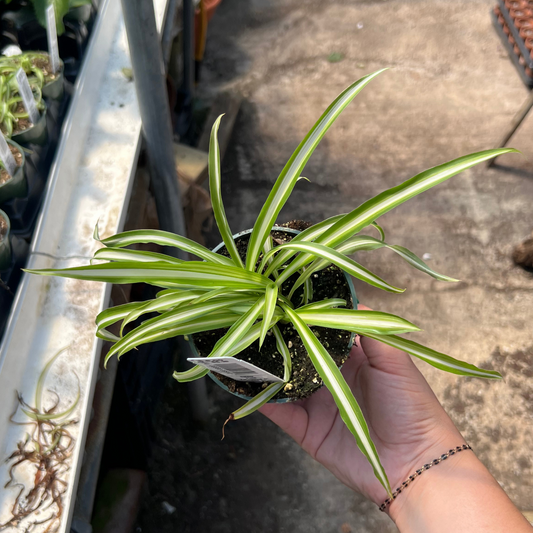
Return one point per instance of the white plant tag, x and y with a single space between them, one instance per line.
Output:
7 157
51 31
27 96
235 369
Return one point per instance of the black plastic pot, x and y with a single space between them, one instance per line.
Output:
5 244
13 255
55 89
17 185
213 377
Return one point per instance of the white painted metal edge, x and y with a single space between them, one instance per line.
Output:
90 181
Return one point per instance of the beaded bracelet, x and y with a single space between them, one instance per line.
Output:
404 485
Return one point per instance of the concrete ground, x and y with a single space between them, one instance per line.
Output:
451 90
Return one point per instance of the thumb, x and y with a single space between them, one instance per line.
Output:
384 357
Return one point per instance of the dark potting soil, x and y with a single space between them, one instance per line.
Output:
4 176
43 64
22 124
328 283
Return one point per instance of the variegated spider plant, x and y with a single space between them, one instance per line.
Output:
244 295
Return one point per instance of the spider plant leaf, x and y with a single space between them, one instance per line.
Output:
216 195
226 345
308 234
194 274
41 417
379 229
170 319
121 254
362 322
348 408
209 295
284 351
269 244
160 305
42 378
252 335
245 322
308 291
324 304
271 297
294 167
340 260
112 315
165 238
384 202
257 401
364 242
434 358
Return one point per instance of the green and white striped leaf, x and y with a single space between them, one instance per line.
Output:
111 316
338 259
348 407
121 254
227 344
328 303
271 297
193 274
269 245
364 242
294 167
164 238
309 234
170 319
160 305
384 202
231 338
379 229
216 195
257 401
252 335
362 322
284 351
308 291
434 358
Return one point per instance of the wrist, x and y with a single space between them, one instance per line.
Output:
430 485
459 495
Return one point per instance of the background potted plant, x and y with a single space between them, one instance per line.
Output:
14 120
260 288
15 186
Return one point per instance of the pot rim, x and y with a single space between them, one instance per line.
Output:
355 301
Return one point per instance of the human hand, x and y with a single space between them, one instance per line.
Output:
407 423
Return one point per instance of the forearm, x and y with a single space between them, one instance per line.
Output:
458 495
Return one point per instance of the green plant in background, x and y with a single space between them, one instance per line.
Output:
246 295
61 8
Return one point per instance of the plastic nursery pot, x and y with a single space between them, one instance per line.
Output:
35 134
278 400
14 186
5 245
55 88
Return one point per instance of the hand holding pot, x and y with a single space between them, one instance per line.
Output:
409 428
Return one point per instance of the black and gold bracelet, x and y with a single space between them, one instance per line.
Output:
427 466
